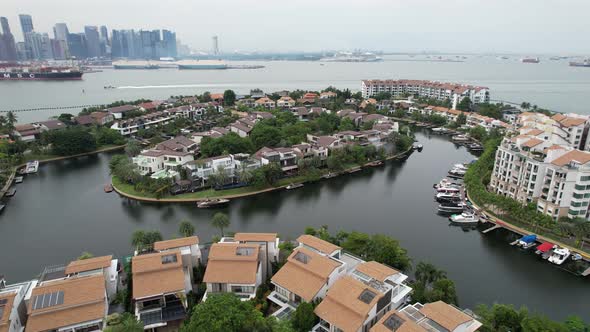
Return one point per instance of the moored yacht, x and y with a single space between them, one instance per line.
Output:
464 218
451 207
450 197
460 138
559 255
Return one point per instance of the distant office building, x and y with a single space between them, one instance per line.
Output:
59 49
7 44
21 51
143 44
26 23
215 45
92 41
60 31
77 45
169 39
104 34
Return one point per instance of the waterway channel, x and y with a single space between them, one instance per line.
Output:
63 210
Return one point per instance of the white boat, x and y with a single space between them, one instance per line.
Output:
449 190
209 203
446 182
294 186
457 173
32 167
464 218
18 179
460 138
451 207
439 130
444 197
460 166
559 256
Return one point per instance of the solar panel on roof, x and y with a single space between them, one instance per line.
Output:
367 296
48 300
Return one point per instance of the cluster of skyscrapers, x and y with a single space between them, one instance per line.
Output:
93 43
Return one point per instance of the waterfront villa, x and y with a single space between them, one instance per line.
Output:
158 161
179 144
285 102
265 102
286 157
327 95
13 311
268 244
160 286
105 265
233 268
189 250
431 317
76 304
365 295
231 165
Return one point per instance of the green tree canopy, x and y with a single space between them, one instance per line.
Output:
265 135
72 141
304 318
220 220
186 229
229 97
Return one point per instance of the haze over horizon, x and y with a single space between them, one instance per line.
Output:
471 26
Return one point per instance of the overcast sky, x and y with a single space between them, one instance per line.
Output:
516 26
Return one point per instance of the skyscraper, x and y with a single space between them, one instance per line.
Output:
77 45
92 41
60 31
169 40
26 23
7 44
104 33
215 45
39 46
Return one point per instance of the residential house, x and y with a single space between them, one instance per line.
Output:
188 247
50 125
367 102
26 132
302 113
76 304
309 98
148 107
240 128
233 268
160 287
154 161
105 265
268 242
285 102
261 116
366 294
231 165
217 97
85 120
356 117
179 144
286 157
265 102
247 102
214 132
102 118
119 111
431 317
131 126
327 95
352 136
13 308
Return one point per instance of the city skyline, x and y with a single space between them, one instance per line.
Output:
456 26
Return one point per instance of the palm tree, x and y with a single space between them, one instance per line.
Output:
186 229
427 273
220 220
10 121
138 239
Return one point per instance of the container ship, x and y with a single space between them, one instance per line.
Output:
530 60
585 63
39 73
202 64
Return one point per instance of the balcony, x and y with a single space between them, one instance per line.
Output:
174 310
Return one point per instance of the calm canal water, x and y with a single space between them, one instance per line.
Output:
62 211
549 84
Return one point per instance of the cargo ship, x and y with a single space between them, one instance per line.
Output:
585 63
530 60
202 64
18 73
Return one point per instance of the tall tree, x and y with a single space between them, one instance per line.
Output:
220 220
304 318
186 229
132 148
229 98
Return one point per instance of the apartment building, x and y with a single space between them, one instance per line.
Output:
569 129
431 317
427 89
234 268
13 308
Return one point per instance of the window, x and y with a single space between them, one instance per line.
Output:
167 259
367 296
585 178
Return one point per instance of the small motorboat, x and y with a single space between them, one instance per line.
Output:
576 256
375 163
11 192
457 173
445 183
108 188
464 218
449 190
475 147
527 241
460 166
354 169
209 203
438 130
18 179
329 175
294 186
32 167
460 138
559 255
544 248
451 207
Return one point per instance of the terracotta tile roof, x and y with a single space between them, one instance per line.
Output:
151 277
305 279
342 306
535 132
176 243
533 142
215 96
318 244
326 141
376 270
84 299
256 237
445 315
574 155
227 265
5 318
89 264
408 325
572 122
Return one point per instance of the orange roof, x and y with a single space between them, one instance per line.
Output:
84 300
574 155
215 96
176 243
255 237
572 122
445 315
342 306
318 244
532 142
232 263
89 264
535 132
153 277
376 270
305 279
